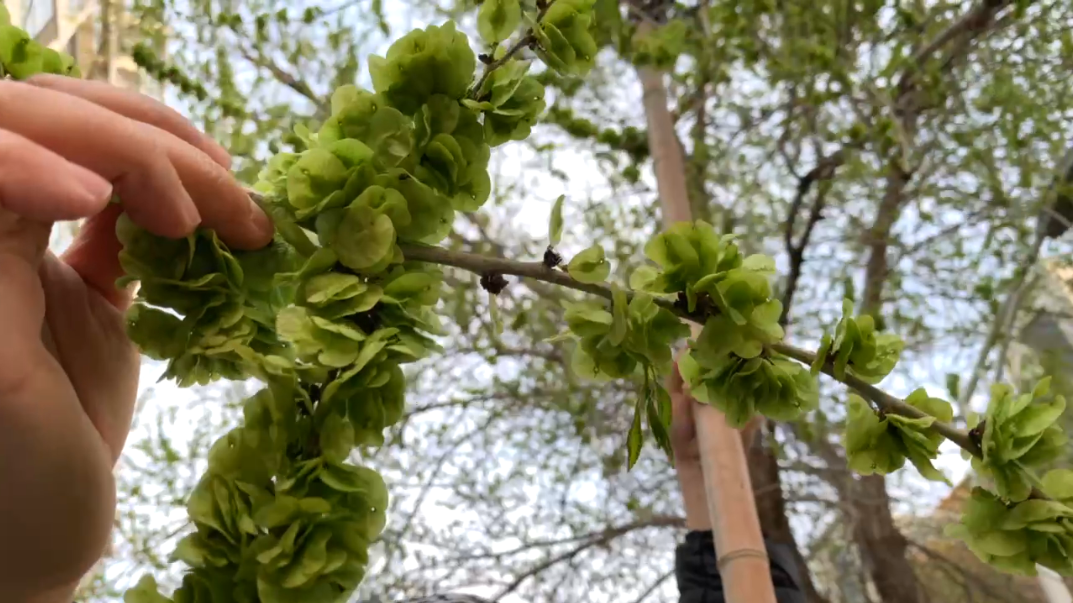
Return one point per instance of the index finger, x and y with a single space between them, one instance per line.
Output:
139 107
166 185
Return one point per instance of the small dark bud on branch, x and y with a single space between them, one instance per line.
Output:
493 282
976 434
552 259
486 59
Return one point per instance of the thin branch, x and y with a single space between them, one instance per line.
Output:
599 539
522 42
537 270
1004 321
885 401
662 520
526 40
655 584
822 173
963 221
971 22
481 264
285 78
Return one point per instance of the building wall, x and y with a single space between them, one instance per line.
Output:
73 26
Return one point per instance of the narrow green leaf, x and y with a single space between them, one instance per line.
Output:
620 322
656 421
635 439
953 385
555 223
1037 417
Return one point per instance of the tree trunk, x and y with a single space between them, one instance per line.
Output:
882 545
771 507
739 545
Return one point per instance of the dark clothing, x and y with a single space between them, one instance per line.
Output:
699 580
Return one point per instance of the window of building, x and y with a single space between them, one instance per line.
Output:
37 14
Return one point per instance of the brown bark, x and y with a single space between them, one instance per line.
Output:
882 544
739 544
771 508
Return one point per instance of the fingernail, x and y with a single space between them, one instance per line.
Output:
261 222
190 212
218 153
187 209
93 184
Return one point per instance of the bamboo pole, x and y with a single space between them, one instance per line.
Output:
739 544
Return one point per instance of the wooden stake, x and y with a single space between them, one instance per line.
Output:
739 544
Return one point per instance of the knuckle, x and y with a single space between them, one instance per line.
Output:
41 79
12 94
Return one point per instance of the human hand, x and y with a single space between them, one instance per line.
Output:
68 373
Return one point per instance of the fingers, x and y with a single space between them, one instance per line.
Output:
137 107
40 185
167 185
94 255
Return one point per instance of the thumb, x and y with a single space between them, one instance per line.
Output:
48 447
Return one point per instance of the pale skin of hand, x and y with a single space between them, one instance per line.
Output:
68 373
687 452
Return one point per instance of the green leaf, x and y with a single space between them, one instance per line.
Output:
759 263
424 62
364 238
555 223
659 418
315 175
1002 544
635 439
821 355
643 277
497 19
1058 483
953 385
590 266
350 478
1037 417
336 438
620 323
278 513
1034 511
146 591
